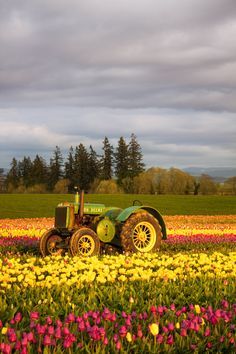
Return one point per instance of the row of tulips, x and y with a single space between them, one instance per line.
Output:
160 329
28 242
176 225
57 270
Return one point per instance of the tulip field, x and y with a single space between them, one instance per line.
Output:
180 300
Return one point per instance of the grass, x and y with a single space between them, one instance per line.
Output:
43 205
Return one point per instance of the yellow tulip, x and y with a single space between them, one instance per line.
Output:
154 329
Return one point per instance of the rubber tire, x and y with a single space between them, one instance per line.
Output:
129 227
44 240
76 237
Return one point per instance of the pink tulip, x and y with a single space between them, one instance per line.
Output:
118 345
128 322
41 329
160 310
5 348
172 307
170 340
207 332
115 338
48 320
81 326
34 316
70 318
113 317
59 323
31 337
183 332
57 333
139 333
65 331
213 319
17 345
50 330
123 314
24 340
160 338
123 331
153 309
105 341
11 335
67 343
224 304
18 317
171 327
209 345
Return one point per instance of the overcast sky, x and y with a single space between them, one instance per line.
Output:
74 71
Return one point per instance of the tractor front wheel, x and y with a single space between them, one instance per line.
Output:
141 233
84 242
52 243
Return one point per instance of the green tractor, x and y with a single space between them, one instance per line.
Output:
86 229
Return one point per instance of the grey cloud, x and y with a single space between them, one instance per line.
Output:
78 70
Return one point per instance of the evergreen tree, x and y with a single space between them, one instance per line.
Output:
25 171
13 176
70 169
136 164
107 160
39 171
81 167
121 161
55 168
93 165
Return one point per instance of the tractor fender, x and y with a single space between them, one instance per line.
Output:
125 214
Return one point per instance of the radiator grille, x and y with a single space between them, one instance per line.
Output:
60 217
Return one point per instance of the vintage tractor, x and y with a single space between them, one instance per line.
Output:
86 229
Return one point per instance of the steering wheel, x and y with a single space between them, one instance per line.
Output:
137 202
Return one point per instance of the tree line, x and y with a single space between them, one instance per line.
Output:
83 168
117 169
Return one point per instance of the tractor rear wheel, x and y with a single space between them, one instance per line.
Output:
52 243
84 242
141 233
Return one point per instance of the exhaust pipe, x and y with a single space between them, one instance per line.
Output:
81 204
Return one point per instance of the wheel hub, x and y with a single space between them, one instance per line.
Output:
86 245
144 236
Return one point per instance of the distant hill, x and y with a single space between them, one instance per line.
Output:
219 174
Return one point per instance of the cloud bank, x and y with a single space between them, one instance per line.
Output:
75 71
